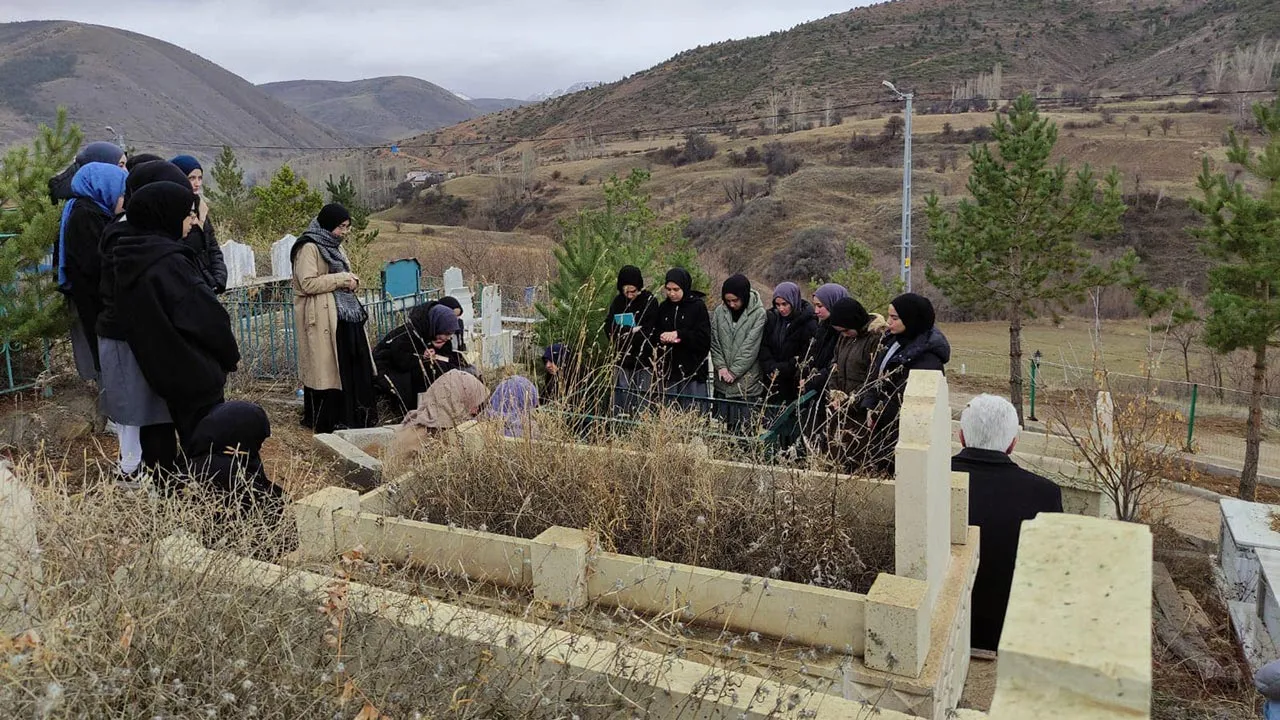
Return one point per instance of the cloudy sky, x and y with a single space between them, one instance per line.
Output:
482 48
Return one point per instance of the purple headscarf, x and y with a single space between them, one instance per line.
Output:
512 401
790 292
830 294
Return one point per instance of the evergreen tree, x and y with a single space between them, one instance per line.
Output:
230 201
30 307
596 244
1242 233
863 281
1012 249
360 239
285 205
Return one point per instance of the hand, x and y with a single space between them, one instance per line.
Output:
669 338
726 376
351 283
429 354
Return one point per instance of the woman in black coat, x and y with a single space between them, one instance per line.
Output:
201 239
682 336
630 324
414 355
789 326
913 343
179 333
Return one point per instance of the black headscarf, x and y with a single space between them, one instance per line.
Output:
332 215
630 275
239 426
161 208
848 314
450 302
680 277
151 172
740 287
139 159
915 312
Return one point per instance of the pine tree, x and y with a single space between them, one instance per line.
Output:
1012 250
230 201
285 205
360 239
1242 233
30 307
596 244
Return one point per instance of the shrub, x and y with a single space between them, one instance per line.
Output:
813 254
779 161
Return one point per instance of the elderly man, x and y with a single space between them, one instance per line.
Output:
1001 496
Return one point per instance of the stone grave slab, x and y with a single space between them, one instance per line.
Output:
281 263
241 264
1246 527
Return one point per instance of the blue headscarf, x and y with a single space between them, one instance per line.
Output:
187 163
100 183
512 401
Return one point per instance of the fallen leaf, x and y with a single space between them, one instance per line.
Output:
126 636
368 712
348 689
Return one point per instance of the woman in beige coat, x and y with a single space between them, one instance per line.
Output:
333 352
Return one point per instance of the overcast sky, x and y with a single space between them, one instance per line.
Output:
482 48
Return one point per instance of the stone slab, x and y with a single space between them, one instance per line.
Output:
20 572
559 557
1268 602
357 466
1250 523
898 618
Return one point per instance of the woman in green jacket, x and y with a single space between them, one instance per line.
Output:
737 328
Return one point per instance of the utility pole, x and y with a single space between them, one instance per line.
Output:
906 185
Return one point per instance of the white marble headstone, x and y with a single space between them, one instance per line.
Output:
281 265
241 264
453 281
491 310
463 296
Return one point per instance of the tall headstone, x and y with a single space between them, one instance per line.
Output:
281 264
19 553
491 310
241 264
922 484
453 280
463 296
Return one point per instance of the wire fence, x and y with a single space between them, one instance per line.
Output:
1215 416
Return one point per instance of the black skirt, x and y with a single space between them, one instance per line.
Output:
356 404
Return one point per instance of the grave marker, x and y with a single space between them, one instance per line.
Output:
281 263
241 264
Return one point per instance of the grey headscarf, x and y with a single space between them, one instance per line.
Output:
348 305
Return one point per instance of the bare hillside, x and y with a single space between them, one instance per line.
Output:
159 95
380 109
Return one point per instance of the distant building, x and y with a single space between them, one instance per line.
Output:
419 178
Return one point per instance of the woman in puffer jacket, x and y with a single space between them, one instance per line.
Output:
736 330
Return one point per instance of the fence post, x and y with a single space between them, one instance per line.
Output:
1035 371
1191 418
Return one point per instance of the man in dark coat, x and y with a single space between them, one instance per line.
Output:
1001 496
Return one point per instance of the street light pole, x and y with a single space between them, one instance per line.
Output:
906 185
119 136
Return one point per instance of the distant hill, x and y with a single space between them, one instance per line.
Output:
384 108
576 87
155 93
926 46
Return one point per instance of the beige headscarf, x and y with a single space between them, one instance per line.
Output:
449 402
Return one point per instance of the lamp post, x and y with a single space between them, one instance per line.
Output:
1035 373
119 136
906 185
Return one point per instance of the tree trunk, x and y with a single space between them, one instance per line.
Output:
1186 361
1253 431
1015 364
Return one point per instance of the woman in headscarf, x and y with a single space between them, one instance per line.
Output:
225 453
819 359
860 335
413 355
201 239
334 361
558 371
97 191
913 343
513 402
179 333
736 329
146 431
682 337
459 338
629 325
788 328
454 399
102 152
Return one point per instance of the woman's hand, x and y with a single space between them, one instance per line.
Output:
204 210
352 282
669 338
726 376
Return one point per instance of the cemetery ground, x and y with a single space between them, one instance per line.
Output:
60 446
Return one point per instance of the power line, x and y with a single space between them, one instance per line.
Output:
1128 97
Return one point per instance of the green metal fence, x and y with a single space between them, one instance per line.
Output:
23 365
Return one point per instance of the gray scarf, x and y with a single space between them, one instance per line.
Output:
349 307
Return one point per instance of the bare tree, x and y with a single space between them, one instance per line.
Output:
1253 66
1218 71
528 168
795 109
828 111
775 104
1165 124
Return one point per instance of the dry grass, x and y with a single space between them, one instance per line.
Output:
649 494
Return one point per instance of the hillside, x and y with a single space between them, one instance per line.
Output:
1101 46
157 94
381 109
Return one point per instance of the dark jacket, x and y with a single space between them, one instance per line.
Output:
402 371
179 333
108 326
882 396
225 451
785 342
1001 496
853 357
819 358
632 350
208 256
687 359
83 264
